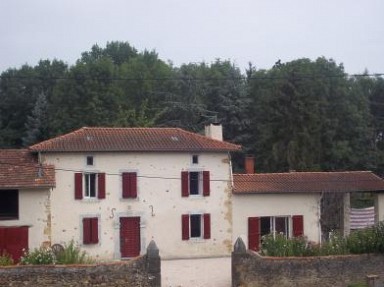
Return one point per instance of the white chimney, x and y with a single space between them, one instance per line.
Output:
214 131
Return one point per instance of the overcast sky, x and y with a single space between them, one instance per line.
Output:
184 31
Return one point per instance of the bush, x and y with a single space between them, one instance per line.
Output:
5 259
71 254
39 256
279 245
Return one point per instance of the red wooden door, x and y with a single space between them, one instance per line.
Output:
13 240
129 236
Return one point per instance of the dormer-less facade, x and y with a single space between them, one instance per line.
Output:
119 188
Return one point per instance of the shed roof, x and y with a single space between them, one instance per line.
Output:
307 182
19 169
88 139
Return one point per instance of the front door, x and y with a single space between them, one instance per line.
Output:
129 236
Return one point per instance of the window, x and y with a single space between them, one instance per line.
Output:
195 159
89 185
9 204
90 230
129 184
89 160
195 183
260 226
196 226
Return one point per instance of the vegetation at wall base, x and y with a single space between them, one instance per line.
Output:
71 254
368 240
5 259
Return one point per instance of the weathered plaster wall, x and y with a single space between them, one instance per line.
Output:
159 202
33 212
257 205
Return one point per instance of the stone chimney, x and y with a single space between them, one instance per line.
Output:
249 164
214 131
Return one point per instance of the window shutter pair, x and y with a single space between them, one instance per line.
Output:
90 230
206 217
129 184
79 185
254 237
185 183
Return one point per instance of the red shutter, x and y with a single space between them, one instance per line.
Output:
298 225
78 186
129 185
185 226
87 231
101 185
254 233
94 230
206 183
184 184
207 226
133 184
125 184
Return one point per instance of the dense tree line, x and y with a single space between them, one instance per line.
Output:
300 115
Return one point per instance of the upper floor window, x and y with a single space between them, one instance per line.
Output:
195 183
195 159
89 185
90 160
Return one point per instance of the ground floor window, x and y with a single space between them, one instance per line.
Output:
289 226
196 226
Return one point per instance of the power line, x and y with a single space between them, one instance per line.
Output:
45 167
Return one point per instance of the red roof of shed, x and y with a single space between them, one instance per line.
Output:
302 182
19 169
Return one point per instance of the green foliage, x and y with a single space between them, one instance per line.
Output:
368 240
39 256
71 254
5 259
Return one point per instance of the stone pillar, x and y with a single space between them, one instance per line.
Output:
239 251
372 280
153 265
346 214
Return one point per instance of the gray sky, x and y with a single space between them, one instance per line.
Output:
184 31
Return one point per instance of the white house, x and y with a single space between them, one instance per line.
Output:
291 203
24 202
118 188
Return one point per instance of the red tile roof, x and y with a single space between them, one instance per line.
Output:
302 182
19 169
133 139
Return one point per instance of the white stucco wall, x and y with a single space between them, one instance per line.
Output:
34 213
257 205
379 207
161 193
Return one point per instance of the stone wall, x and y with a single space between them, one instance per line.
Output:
142 271
251 269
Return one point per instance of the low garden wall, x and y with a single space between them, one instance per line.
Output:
141 271
251 269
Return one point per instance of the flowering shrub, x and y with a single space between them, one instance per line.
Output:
5 259
279 245
39 256
71 254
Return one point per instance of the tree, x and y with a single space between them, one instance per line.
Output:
37 123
